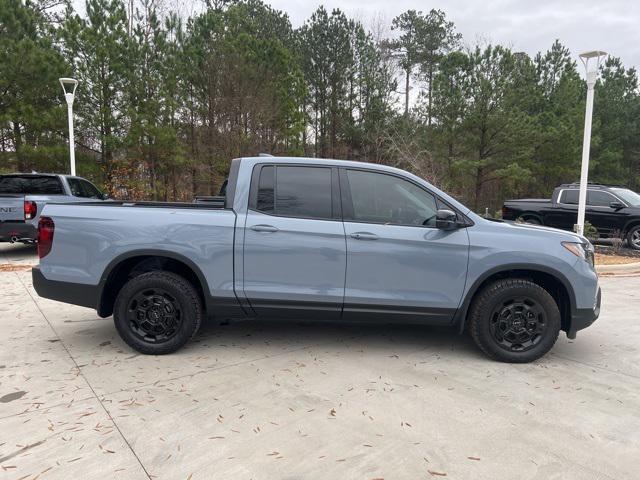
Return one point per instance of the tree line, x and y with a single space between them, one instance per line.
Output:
164 102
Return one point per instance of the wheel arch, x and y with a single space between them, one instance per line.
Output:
548 278
529 214
629 225
131 264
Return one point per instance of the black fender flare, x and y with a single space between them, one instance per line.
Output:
145 252
460 317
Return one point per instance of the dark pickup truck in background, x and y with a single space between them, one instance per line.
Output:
613 210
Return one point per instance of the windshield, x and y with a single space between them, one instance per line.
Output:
629 196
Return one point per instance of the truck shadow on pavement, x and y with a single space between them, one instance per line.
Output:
19 252
275 336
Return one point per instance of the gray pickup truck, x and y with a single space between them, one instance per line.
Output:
318 239
24 195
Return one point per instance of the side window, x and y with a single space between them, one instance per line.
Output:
303 192
266 192
598 198
83 189
570 197
386 199
292 191
76 188
90 190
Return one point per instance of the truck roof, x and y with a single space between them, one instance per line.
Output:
34 174
590 185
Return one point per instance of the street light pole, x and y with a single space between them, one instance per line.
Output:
592 75
69 97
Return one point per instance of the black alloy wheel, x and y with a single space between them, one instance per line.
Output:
157 312
154 315
518 324
514 320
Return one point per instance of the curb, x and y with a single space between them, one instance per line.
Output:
622 268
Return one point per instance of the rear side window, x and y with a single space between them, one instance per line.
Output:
82 188
31 185
292 191
570 197
266 190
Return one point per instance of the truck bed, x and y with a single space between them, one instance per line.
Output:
205 205
528 200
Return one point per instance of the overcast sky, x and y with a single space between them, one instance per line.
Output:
524 25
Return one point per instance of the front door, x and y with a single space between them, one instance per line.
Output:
294 245
399 266
599 213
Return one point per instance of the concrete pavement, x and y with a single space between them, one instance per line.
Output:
310 401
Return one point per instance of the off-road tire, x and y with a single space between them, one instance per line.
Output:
184 298
501 292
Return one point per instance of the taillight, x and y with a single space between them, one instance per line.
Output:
30 210
46 228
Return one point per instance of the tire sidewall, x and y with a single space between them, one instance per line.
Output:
482 316
630 235
184 294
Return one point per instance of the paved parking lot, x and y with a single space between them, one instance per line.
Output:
310 401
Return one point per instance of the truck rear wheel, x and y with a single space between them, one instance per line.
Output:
157 312
514 320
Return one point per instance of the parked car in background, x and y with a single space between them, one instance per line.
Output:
318 239
24 195
613 210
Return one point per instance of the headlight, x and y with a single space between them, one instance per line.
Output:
582 250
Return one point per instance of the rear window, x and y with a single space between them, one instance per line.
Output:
31 185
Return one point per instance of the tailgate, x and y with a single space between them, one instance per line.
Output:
11 208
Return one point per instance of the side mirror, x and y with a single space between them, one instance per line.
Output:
446 219
616 205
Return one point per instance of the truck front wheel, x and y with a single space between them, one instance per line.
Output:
514 320
157 312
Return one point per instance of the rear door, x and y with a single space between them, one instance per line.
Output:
399 265
565 210
294 244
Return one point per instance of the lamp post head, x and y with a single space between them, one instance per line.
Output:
591 67
69 86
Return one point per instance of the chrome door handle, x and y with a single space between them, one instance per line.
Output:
364 236
263 228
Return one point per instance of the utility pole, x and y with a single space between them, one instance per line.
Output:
591 70
71 84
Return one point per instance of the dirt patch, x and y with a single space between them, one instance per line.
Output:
9 267
614 259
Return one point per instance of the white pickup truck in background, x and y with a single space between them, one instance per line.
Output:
24 195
